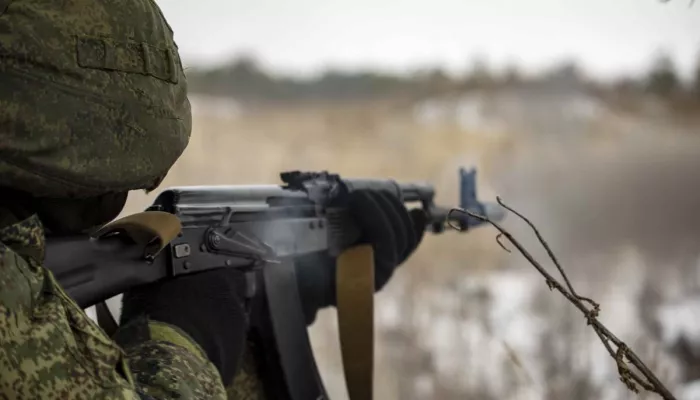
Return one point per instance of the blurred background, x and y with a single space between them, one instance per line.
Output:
582 114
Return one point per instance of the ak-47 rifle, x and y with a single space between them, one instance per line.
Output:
259 229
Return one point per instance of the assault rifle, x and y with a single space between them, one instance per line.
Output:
259 229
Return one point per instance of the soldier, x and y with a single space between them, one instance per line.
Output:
93 104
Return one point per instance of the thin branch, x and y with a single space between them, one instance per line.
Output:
500 242
546 247
590 309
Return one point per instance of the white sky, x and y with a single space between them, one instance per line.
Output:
608 37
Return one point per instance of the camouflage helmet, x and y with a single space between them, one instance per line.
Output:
93 98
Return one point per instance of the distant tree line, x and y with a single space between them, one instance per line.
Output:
245 79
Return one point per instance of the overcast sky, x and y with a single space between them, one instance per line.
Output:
608 37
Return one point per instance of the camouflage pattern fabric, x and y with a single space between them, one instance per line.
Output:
50 349
93 99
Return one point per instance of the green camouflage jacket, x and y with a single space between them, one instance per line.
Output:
50 349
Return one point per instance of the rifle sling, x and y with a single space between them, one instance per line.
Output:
355 302
105 319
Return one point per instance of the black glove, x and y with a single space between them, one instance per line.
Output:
386 224
209 306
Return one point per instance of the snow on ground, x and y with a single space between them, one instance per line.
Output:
690 391
680 319
491 330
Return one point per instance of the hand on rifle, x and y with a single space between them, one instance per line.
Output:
384 221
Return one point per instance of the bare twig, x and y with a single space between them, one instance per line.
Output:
623 355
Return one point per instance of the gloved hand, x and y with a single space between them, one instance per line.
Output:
393 231
208 306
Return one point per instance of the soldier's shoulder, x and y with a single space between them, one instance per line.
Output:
166 363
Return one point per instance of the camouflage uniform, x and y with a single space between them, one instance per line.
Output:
50 349
92 101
